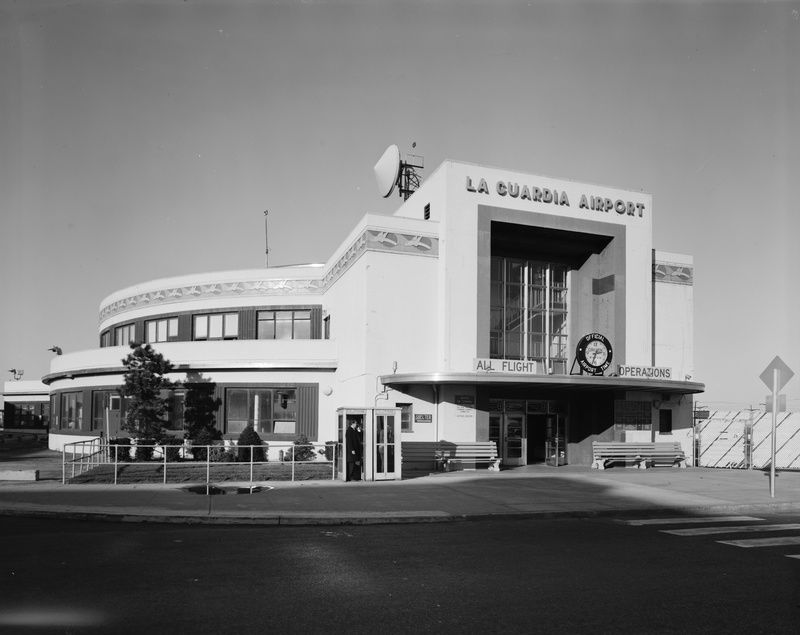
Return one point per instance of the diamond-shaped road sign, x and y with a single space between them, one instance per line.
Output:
784 373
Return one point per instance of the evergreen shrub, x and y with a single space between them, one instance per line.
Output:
249 436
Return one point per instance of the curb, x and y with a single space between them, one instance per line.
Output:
387 518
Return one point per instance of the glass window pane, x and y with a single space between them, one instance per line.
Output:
285 405
515 271
302 325
215 327
559 277
558 323
536 322
200 327
513 296
172 329
231 325
496 345
152 332
538 275
513 347
283 325
496 294
558 298
237 406
266 325
513 320
496 320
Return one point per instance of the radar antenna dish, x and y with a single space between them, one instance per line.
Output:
387 170
391 172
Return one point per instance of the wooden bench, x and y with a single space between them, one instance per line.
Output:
449 455
640 454
460 455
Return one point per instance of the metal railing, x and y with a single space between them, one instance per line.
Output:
97 458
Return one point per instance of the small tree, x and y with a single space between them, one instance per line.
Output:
249 437
200 409
145 386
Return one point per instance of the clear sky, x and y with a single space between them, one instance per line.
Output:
141 139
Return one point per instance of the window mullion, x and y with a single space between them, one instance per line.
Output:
547 316
526 290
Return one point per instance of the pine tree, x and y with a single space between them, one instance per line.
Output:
146 389
200 409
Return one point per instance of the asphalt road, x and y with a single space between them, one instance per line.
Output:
532 576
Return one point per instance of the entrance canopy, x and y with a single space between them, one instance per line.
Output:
588 382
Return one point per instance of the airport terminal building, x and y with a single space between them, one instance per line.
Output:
492 306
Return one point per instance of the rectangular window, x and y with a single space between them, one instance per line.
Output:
268 410
326 327
165 330
216 326
284 325
72 411
124 335
406 417
105 339
105 409
426 214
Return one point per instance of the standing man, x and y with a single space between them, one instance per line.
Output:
354 451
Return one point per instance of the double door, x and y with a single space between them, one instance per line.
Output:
509 431
378 442
526 433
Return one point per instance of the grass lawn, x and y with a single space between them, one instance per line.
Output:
191 472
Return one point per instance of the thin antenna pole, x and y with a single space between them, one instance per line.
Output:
266 239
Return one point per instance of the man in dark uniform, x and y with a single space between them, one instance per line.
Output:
354 451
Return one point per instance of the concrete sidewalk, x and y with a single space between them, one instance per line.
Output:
521 492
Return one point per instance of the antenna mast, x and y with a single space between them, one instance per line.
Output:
266 239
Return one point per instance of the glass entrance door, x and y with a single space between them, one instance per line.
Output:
514 439
385 460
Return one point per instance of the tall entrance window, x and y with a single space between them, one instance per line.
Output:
529 312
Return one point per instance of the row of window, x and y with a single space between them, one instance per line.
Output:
25 415
268 410
284 324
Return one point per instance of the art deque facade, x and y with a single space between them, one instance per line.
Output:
493 305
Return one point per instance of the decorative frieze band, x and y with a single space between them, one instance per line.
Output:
369 240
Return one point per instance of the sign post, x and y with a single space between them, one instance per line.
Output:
775 376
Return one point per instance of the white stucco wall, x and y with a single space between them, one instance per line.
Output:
459 239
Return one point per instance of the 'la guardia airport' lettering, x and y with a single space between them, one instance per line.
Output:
553 196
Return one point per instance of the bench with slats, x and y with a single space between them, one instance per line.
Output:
459 455
449 455
641 455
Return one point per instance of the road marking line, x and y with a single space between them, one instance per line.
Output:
704 531
762 542
793 555
688 520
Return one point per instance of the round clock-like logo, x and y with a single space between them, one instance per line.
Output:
594 353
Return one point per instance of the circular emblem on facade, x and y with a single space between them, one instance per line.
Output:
594 353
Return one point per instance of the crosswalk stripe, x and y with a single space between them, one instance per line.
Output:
688 520
705 531
762 542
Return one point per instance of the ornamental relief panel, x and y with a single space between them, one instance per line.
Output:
671 273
